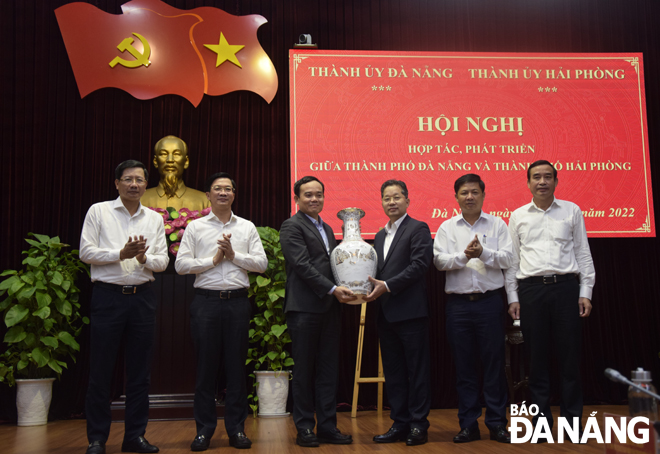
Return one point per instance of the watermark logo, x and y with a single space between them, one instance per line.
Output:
616 428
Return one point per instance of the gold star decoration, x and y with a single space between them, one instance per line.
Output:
225 51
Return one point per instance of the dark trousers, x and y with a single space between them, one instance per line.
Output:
115 316
315 350
220 330
475 331
407 367
550 317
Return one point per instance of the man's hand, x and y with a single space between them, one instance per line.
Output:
224 249
585 307
343 294
474 249
379 289
135 247
514 310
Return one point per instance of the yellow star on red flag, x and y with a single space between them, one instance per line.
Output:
225 51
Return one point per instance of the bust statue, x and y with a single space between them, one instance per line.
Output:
171 159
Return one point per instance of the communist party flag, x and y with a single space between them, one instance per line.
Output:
154 49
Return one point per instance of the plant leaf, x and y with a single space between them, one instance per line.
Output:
277 330
32 261
64 307
42 238
68 340
262 281
42 313
50 341
15 334
43 299
55 366
57 278
15 315
41 357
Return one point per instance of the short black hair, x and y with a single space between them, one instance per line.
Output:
305 180
469 178
217 175
130 164
399 183
540 162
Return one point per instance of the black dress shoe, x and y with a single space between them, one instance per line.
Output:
307 439
334 437
467 435
392 435
96 447
500 434
200 443
240 441
140 444
417 437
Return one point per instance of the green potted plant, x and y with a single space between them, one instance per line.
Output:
42 314
268 331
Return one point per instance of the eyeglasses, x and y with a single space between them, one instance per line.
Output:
138 181
222 189
389 199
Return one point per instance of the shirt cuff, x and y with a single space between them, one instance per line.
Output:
512 297
387 287
332 290
486 255
585 292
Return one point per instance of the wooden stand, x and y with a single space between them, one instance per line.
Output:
358 365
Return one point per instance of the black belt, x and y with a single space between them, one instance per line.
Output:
124 289
476 296
550 279
223 294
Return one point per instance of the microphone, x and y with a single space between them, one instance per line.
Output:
616 376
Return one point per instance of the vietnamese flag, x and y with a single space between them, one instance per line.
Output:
229 49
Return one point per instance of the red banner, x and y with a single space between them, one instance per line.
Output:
359 118
153 49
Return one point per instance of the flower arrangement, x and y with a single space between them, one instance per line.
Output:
176 222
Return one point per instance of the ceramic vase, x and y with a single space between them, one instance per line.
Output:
353 260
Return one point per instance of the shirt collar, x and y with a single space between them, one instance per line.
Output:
317 224
532 205
180 190
119 205
481 216
212 217
396 224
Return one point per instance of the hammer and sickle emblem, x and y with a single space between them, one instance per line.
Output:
141 59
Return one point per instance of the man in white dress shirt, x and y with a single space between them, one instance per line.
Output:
474 247
549 288
220 249
124 242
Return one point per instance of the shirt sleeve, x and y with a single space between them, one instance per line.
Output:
583 254
255 260
157 257
442 258
510 280
90 252
187 261
503 256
